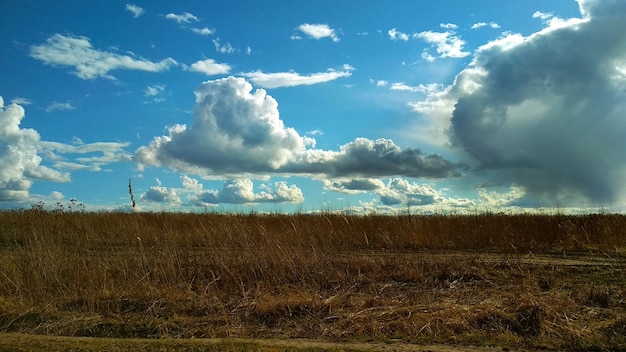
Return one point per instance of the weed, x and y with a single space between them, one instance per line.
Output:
531 281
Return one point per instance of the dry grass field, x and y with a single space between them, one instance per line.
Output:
512 281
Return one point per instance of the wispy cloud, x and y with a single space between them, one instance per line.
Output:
291 79
90 63
478 25
56 106
154 90
94 156
421 88
447 43
380 82
394 34
428 57
317 31
182 18
223 48
203 31
135 10
448 26
21 101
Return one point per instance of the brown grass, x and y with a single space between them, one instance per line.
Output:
512 281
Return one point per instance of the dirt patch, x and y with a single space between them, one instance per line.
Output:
15 341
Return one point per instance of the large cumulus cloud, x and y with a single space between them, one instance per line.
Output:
238 132
547 111
23 155
19 160
235 130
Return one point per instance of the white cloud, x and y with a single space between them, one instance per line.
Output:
136 10
82 148
448 26
72 166
160 194
426 56
56 195
318 31
317 132
290 79
363 157
225 48
402 86
238 132
154 90
20 162
495 200
241 191
56 106
235 131
526 110
554 22
478 25
447 44
191 184
21 101
353 185
88 62
421 88
396 194
96 155
182 18
544 16
399 191
203 31
209 67
397 35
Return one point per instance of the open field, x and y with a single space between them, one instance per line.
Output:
344 282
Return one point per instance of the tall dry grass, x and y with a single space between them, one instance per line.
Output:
329 275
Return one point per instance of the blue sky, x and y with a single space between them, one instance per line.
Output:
439 106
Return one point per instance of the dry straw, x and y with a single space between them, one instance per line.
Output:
556 282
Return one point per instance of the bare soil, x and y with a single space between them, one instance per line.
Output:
30 342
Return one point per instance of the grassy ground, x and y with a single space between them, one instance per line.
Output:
523 281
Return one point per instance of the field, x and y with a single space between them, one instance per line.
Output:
329 281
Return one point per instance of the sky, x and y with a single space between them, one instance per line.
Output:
368 107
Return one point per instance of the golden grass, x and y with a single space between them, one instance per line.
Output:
514 281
